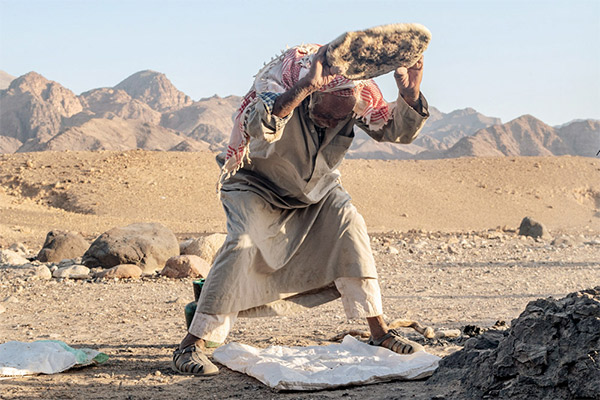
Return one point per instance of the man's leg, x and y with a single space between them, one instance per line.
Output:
361 298
189 357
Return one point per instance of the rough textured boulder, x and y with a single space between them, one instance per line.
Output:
206 247
60 245
550 352
186 266
148 245
121 271
530 227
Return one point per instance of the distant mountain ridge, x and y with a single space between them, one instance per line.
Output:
144 111
147 111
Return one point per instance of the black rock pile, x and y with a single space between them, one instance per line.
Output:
551 351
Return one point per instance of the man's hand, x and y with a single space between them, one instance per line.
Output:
408 81
319 75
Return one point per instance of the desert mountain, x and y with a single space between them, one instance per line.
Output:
581 136
526 136
155 90
5 80
114 134
147 111
33 108
439 133
144 111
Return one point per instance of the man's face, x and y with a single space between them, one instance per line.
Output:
327 110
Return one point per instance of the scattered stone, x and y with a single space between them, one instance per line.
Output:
530 227
472 330
11 257
550 352
69 261
452 249
2 309
37 271
184 245
563 241
10 299
186 266
60 245
19 248
121 271
206 247
393 250
148 245
72 272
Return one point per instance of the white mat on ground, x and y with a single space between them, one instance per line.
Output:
44 357
324 367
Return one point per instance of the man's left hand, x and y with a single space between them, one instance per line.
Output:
408 81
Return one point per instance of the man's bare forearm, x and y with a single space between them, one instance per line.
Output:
292 98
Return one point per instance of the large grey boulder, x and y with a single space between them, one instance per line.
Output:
61 245
550 352
148 245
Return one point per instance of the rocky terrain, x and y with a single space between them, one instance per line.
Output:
445 235
146 111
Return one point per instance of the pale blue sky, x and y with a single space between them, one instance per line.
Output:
503 58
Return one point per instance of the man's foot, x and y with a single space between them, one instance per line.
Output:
191 361
393 341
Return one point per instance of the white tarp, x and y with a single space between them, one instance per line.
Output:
44 357
323 367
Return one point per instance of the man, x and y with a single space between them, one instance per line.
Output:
291 226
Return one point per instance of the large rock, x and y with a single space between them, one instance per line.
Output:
206 247
530 227
148 245
186 266
60 245
550 352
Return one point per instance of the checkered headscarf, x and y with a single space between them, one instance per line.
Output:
281 74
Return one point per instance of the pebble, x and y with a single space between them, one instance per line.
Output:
121 271
393 250
72 272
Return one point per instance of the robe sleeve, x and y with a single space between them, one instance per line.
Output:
405 124
260 123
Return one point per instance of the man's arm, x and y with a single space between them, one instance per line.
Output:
410 111
318 76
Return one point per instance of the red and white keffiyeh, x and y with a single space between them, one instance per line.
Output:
281 74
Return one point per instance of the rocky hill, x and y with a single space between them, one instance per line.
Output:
5 79
146 111
439 133
526 136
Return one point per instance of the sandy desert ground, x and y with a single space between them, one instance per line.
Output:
444 233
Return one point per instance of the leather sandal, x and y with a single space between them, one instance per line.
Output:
191 361
397 344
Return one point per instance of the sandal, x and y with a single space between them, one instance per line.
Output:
191 361
397 344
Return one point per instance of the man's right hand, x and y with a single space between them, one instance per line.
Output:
320 73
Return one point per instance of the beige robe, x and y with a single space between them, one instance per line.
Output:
291 226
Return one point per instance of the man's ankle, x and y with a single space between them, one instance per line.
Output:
190 339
